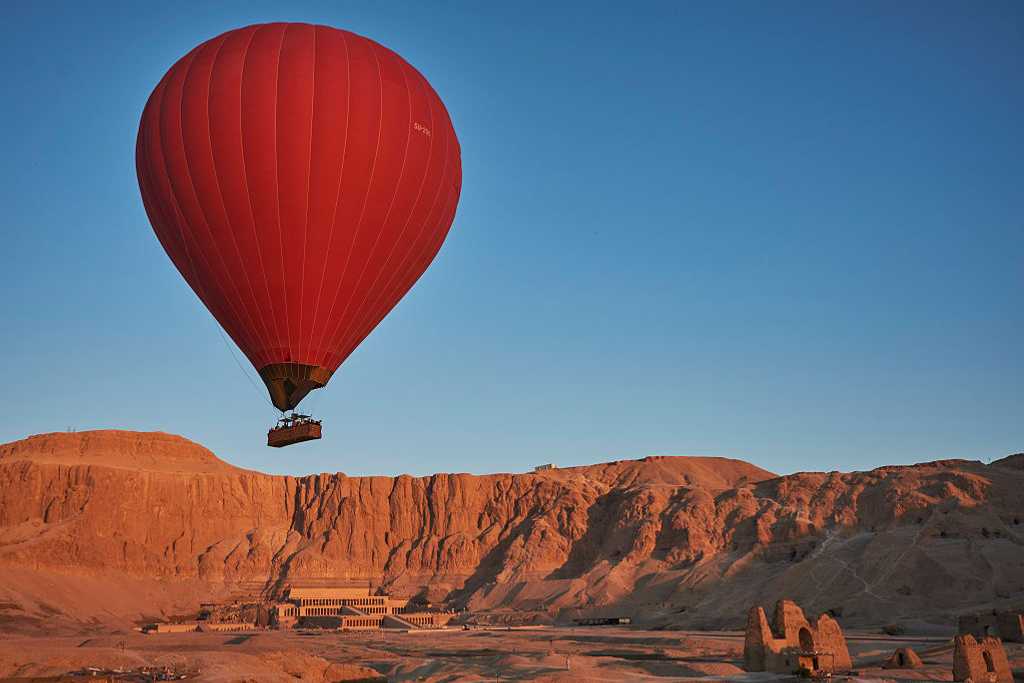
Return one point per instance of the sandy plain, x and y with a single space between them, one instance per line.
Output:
542 654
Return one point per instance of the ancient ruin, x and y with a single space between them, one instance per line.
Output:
980 662
1008 625
792 644
351 608
332 606
197 625
903 658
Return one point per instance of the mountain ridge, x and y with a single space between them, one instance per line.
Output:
104 447
671 540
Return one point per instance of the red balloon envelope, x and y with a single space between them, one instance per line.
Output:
301 178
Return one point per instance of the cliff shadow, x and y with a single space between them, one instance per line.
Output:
587 549
488 567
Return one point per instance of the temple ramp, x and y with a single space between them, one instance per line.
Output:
395 621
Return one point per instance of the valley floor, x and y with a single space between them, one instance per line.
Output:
546 654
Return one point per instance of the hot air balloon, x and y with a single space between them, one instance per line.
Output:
301 178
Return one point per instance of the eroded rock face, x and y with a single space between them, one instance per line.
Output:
687 541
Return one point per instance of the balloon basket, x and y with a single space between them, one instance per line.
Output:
294 429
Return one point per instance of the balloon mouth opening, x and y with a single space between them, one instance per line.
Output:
288 383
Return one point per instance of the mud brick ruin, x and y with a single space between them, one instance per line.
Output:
792 644
983 662
903 658
1008 625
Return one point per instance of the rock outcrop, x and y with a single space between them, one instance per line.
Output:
670 540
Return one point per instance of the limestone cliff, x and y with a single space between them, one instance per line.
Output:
690 541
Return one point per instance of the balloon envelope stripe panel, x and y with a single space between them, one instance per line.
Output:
301 179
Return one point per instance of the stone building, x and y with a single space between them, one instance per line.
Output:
1008 625
171 627
331 606
792 644
225 626
203 626
284 614
983 662
351 608
329 602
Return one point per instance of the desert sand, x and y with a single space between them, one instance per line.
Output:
547 654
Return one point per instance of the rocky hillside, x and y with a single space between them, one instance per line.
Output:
141 523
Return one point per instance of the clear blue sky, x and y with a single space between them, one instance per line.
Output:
791 233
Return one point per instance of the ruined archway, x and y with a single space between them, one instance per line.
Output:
806 640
